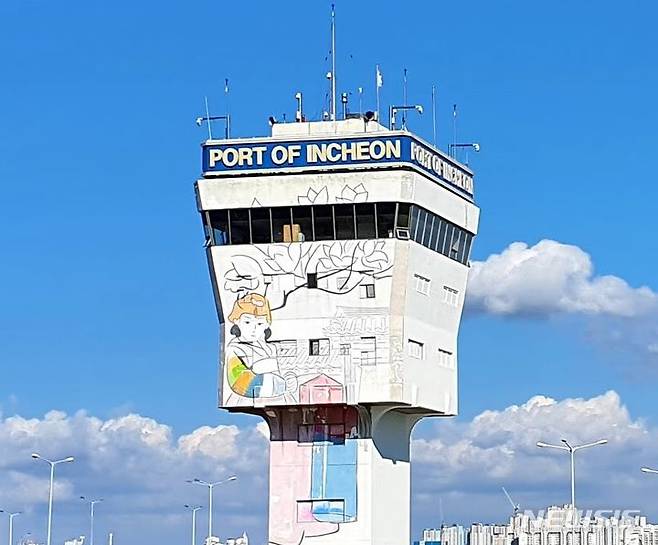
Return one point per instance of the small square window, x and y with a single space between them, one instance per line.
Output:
367 291
312 281
344 350
450 296
422 284
318 347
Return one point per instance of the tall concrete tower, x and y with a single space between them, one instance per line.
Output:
338 254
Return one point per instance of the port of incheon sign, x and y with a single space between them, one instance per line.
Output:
236 156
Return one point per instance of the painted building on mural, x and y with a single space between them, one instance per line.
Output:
338 255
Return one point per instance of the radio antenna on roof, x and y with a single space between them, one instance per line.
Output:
208 118
434 113
333 63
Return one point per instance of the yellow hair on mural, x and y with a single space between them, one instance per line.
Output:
253 303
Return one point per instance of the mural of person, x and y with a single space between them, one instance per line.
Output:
252 368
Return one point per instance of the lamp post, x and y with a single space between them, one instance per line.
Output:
194 509
572 449
52 464
92 503
211 486
11 524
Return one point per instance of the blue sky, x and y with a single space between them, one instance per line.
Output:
106 299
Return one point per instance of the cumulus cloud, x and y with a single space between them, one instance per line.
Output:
139 466
551 278
468 463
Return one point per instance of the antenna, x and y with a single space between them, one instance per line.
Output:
434 113
454 130
379 82
515 506
333 63
208 118
228 110
299 115
404 98
360 89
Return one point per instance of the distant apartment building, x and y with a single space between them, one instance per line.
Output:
555 526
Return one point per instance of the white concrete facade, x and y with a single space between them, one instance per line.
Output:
341 343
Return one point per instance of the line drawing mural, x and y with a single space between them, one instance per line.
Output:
265 280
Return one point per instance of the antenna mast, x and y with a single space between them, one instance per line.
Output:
434 113
333 63
208 118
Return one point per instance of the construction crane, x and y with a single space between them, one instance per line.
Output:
515 506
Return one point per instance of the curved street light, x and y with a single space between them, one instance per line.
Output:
92 503
194 509
52 464
211 486
11 523
572 449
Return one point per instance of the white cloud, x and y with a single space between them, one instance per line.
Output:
551 278
468 463
139 465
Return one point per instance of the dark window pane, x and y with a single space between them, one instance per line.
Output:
413 225
445 250
260 226
324 222
239 226
436 228
442 236
456 241
344 214
428 229
312 280
301 215
385 219
280 217
403 215
422 216
365 220
219 225
467 248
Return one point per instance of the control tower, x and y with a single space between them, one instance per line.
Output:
338 254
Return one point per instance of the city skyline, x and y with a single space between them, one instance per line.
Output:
108 339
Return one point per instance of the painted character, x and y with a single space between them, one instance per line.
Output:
252 368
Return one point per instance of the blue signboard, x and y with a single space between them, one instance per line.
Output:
377 149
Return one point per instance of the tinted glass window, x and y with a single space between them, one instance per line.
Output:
385 219
403 215
260 226
365 220
436 228
280 217
301 215
442 236
219 225
344 214
239 226
456 243
324 223
467 248
446 243
422 216
427 235
413 225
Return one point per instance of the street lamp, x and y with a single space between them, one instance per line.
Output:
572 450
649 470
194 509
52 464
91 516
210 489
393 110
11 524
